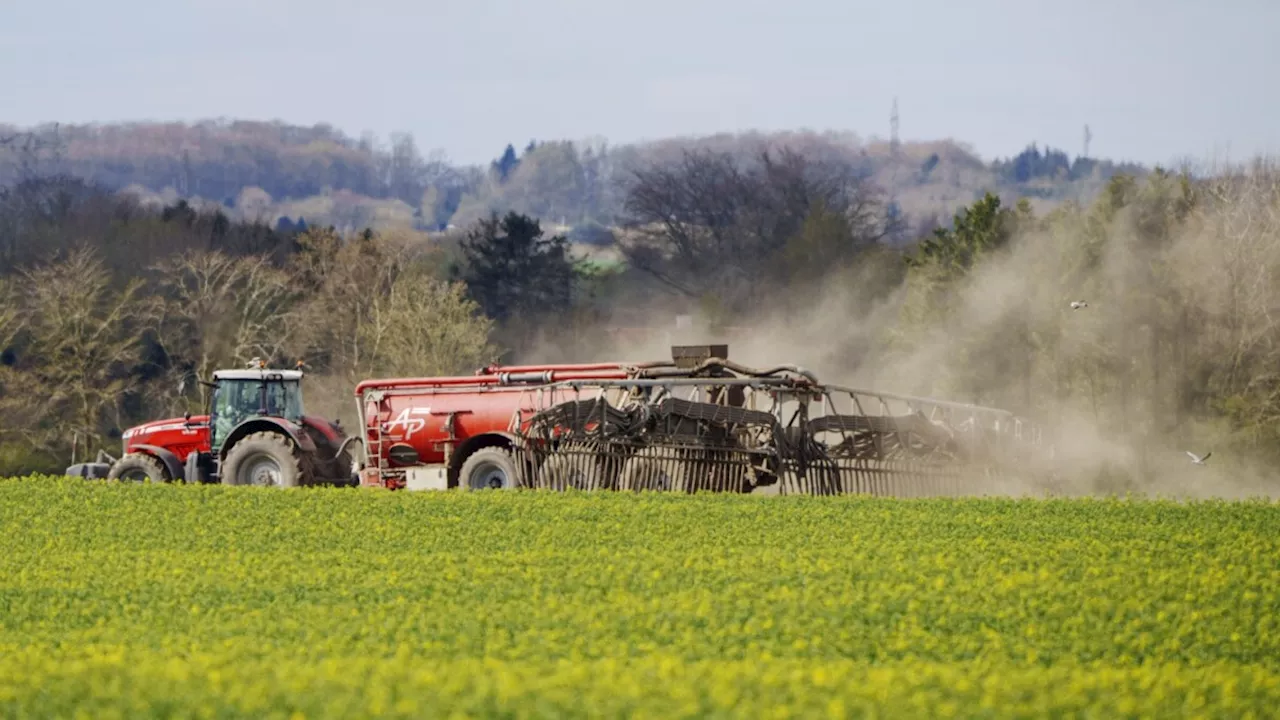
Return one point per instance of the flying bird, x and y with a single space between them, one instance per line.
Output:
1196 459
1076 305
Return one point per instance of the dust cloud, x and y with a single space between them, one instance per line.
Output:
1177 311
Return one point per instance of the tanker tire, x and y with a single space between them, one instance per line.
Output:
486 465
271 454
138 467
651 470
574 467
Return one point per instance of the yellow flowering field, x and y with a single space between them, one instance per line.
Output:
211 602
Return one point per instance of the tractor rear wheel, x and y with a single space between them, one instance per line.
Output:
138 467
488 468
263 458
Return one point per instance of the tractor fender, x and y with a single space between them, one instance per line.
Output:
476 442
331 433
167 457
293 432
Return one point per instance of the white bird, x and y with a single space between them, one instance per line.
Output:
1196 459
1076 305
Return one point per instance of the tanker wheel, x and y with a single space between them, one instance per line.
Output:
649 470
264 459
138 467
491 468
576 467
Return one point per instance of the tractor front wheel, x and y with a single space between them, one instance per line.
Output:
138 467
264 458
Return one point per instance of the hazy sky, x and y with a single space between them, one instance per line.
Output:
1155 80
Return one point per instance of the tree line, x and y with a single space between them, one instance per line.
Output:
268 171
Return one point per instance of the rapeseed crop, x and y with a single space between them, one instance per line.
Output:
210 602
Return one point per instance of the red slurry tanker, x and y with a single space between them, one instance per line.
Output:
696 422
466 430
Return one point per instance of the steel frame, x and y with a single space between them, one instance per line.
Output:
783 430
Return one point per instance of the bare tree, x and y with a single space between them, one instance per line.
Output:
403 169
709 223
425 326
343 280
85 331
254 204
38 217
217 311
20 409
1226 268
34 153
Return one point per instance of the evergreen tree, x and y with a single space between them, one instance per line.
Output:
506 164
516 274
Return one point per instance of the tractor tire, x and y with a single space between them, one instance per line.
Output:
264 458
488 468
138 467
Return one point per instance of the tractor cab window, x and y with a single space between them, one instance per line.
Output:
284 400
235 401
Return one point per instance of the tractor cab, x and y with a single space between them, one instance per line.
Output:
260 434
241 395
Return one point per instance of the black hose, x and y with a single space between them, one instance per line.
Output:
742 370
343 446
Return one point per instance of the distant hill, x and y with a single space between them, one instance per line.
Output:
270 170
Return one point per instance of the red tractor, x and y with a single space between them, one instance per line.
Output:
256 432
